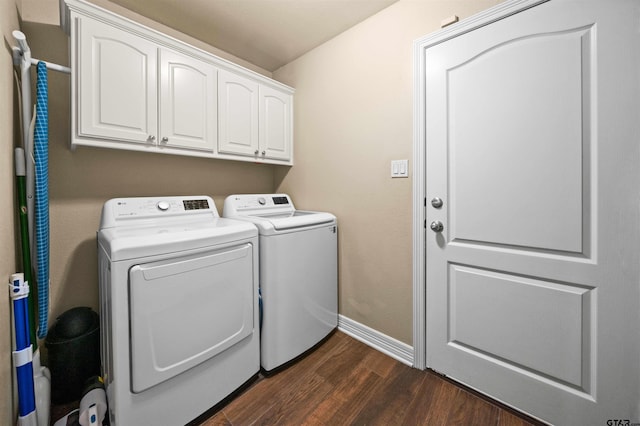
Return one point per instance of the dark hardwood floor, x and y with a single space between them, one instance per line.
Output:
345 382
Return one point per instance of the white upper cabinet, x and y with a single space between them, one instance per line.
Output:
254 120
116 84
275 123
187 102
238 114
131 90
137 89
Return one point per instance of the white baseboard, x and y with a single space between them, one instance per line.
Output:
381 342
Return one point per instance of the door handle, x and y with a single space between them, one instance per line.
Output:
437 226
437 202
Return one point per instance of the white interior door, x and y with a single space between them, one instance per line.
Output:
532 146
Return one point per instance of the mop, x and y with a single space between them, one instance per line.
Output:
22 356
41 375
21 192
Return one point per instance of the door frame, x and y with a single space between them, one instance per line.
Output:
493 14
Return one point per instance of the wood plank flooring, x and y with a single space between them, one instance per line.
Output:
345 382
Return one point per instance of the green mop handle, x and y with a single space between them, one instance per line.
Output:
20 166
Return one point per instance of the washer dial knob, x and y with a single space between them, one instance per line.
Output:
163 206
262 201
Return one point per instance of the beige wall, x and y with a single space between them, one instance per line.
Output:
42 11
8 23
353 115
106 4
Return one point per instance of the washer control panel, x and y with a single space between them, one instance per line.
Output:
251 204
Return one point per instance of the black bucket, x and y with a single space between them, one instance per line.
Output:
73 345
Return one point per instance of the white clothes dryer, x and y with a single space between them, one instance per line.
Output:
178 308
298 274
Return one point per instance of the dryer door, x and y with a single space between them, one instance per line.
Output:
186 310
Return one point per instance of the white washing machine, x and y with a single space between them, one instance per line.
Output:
178 308
298 274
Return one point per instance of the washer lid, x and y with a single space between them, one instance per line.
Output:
296 219
166 237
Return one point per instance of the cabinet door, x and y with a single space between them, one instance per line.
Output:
187 102
117 80
275 124
237 114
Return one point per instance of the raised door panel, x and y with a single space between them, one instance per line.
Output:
117 80
237 114
490 178
188 115
275 124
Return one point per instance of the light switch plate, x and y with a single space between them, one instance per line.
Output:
399 168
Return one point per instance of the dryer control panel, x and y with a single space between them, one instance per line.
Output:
141 208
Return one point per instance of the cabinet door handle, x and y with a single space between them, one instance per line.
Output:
151 138
264 152
256 152
165 139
